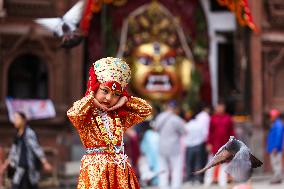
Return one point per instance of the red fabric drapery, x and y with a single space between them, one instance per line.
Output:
239 7
91 6
242 12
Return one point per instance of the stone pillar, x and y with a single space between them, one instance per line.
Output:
256 65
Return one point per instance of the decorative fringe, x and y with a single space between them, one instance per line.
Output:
242 12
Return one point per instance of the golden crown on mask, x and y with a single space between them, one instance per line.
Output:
152 25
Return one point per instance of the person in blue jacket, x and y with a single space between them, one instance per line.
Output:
274 145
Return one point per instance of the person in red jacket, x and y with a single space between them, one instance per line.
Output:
220 129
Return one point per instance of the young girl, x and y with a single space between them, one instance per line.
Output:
101 118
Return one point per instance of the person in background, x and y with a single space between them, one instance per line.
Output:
195 141
220 129
149 148
132 149
275 144
23 156
170 128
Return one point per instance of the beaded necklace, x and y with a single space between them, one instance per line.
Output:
106 124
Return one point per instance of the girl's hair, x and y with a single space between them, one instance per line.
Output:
22 114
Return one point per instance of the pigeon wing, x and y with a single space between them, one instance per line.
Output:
52 24
221 149
73 16
255 162
220 157
240 167
74 41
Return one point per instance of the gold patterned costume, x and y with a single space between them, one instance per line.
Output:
105 166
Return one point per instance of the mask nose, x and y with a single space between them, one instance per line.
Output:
158 67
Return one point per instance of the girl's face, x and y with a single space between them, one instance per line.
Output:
106 96
19 121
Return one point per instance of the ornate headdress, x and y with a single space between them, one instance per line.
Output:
113 72
150 23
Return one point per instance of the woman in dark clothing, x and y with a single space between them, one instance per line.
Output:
23 156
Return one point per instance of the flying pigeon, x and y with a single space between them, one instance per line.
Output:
241 161
66 27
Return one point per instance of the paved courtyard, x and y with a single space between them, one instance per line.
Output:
258 182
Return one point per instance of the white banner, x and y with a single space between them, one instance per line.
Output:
33 109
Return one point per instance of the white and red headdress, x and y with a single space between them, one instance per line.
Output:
114 73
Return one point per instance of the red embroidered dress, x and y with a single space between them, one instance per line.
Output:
105 166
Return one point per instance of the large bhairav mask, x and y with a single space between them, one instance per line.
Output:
154 45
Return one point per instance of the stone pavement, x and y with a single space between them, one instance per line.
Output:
258 182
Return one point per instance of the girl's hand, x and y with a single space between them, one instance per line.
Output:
99 105
120 103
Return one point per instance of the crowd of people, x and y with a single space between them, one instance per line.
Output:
172 146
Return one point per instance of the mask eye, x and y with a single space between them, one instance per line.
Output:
168 61
145 60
